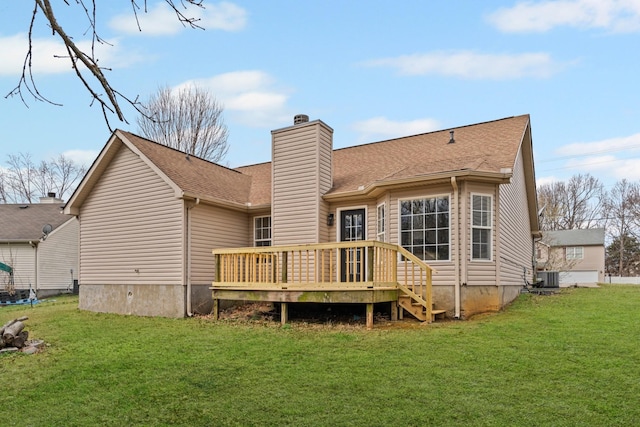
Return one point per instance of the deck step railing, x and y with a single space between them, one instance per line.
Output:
340 265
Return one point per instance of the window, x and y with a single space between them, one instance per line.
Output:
424 227
262 231
481 227
574 252
381 221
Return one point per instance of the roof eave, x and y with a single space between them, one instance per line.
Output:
236 206
377 187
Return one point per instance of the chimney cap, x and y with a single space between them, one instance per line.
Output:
300 118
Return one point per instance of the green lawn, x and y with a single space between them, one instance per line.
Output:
567 359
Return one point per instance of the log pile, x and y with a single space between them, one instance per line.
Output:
13 335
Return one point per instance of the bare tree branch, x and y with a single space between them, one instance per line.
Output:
85 64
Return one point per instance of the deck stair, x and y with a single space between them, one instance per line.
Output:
418 308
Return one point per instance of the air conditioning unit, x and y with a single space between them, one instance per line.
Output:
548 279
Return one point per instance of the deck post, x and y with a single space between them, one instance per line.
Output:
394 311
218 273
216 309
284 313
369 315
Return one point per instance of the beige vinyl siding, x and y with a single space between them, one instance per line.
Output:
515 240
298 183
479 272
131 227
325 179
215 227
57 256
22 258
445 270
593 260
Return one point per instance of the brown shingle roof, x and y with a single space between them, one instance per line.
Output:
24 222
193 175
483 147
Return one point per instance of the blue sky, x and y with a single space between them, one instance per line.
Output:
372 70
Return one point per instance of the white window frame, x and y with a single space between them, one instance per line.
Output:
575 253
381 222
255 230
424 197
488 226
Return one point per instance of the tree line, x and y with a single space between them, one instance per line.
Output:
582 202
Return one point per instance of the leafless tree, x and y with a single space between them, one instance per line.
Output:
621 210
188 119
4 186
576 203
552 255
85 62
23 182
22 177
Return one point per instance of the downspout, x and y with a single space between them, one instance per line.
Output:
190 206
456 292
35 261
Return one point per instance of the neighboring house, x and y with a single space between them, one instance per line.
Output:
463 200
40 243
578 255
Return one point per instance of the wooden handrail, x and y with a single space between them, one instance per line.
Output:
368 264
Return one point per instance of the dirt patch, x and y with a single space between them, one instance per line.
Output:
314 316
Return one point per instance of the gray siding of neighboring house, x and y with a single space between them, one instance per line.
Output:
22 258
301 175
515 239
131 234
57 257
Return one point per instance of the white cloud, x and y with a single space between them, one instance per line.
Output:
251 97
160 19
472 65
82 157
49 56
631 142
608 159
383 128
541 16
546 180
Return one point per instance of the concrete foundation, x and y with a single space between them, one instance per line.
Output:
140 300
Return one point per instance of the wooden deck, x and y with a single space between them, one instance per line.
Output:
365 272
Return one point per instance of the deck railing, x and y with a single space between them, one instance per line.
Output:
341 265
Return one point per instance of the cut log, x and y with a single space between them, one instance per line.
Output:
11 322
20 339
12 331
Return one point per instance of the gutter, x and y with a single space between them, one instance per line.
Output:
456 292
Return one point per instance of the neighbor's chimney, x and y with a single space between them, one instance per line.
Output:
451 140
51 198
